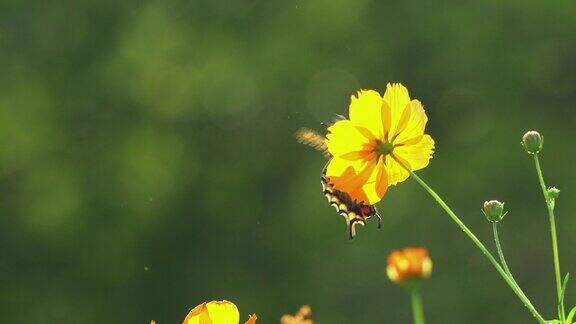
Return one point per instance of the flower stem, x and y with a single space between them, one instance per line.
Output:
550 207
502 258
481 246
499 248
417 309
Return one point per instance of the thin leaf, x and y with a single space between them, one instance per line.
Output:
561 301
564 287
571 315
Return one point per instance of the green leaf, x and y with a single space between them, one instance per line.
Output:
571 315
564 287
561 301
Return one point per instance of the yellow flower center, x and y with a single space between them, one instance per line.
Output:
384 148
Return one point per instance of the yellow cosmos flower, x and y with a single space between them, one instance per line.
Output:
383 134
216 312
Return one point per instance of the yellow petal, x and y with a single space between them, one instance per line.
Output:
377 184
396 173
346 139
397 99
366 110
416 155
413 128
223 312
198 315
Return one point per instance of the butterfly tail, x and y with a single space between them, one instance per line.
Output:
352 226
378 218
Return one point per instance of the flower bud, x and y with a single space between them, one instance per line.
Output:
532 142
553 192
409 265
493 210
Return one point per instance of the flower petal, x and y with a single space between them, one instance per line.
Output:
198 315
252 319
413 128
408 264
396 173
366 110
349 176
397 99
377 185
346 139
363 180
223 312
416 155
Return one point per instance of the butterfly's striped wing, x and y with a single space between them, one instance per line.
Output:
353 212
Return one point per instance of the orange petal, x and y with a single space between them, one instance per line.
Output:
252 319
409 263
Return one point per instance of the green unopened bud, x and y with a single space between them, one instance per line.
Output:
553 192
493 210
532 142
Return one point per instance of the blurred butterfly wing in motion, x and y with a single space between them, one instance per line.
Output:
309 137
352 211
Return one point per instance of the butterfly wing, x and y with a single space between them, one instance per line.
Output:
353 212
311 138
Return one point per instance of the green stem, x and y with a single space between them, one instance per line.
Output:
479 244
417 309
550 207
502 258
499 248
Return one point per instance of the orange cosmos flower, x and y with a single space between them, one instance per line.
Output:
409 264
383 134
216 312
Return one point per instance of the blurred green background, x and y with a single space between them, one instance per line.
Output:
147 158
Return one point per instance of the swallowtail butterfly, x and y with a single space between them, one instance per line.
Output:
354 212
